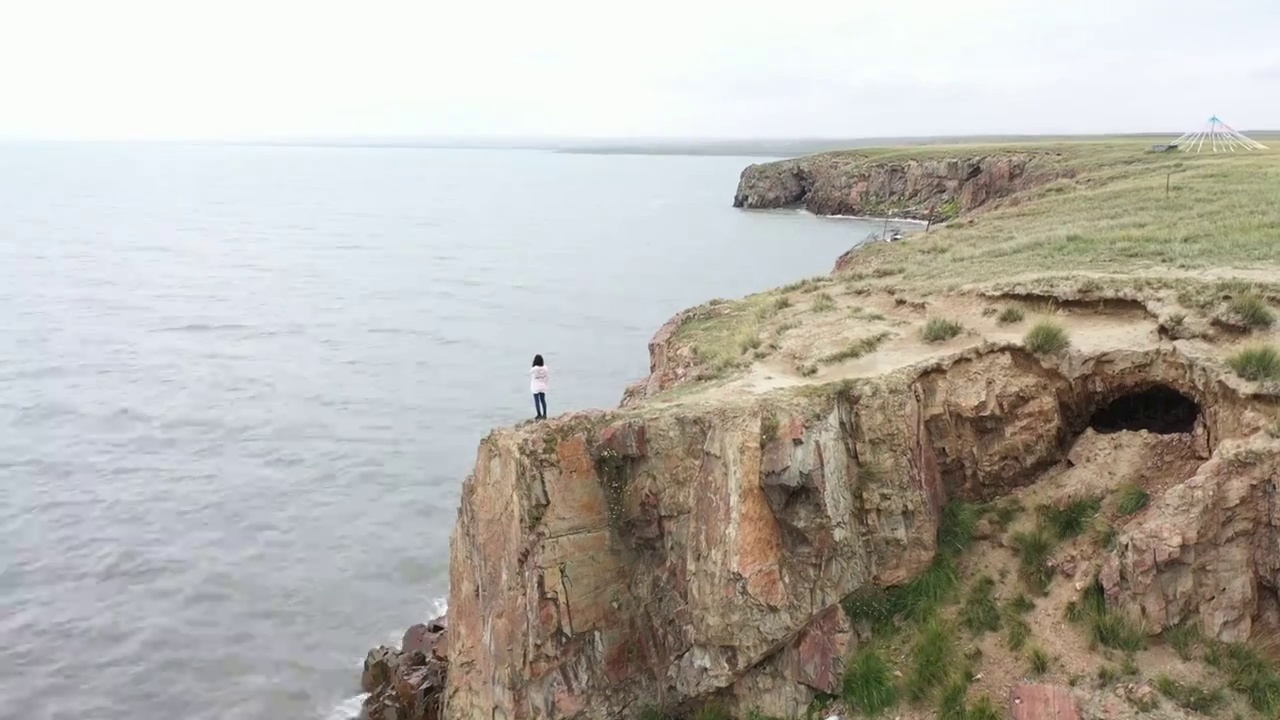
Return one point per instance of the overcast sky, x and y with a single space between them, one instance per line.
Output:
168 69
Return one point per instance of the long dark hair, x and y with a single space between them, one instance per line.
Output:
537 361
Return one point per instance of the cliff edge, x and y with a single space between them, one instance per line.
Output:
1013 468
902 185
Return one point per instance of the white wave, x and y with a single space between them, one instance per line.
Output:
439 606
348 709
865 218
872 218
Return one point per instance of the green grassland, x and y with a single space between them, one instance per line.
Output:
1119 220
1111 215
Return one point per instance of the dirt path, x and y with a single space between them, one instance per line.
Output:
799 358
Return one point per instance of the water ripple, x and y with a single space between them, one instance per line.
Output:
237 398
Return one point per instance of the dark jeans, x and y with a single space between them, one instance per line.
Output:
540 404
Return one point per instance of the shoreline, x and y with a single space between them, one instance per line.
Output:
801 210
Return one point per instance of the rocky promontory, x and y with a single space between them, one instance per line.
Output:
939 483
922 189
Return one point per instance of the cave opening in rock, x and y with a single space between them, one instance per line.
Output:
1159 409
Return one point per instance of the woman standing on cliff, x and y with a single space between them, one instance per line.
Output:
538 384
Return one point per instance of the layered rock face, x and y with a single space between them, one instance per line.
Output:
1209 550
849 184
607 562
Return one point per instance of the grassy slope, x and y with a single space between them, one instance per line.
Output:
1110 227
1223 210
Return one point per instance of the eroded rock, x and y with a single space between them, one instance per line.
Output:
723 581
408 684
849 184
1205 549
606 561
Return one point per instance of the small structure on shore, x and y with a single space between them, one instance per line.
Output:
1220 136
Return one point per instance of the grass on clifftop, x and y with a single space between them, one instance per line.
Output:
1252 310
1105 223
1261 362
940 330
1046 338
1108 213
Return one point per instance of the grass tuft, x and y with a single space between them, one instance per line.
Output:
940 330
1006 511
931 658
1106 627
711 712
1183 638
951 702
1130 665
1261 362
915 600
1046 338
955 530
1131 499
768 429
868 684
984 709
1071 519
1252 311
1104 533
1021 604
858 348
1038 661
1116 631
919 598
823 302
1192 697
1010 316
979 613
1017 634
806 285
1248 673
1034 548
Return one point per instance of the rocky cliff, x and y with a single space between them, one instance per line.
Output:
922 189
728 537
610 561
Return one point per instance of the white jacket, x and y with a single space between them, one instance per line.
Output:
538 379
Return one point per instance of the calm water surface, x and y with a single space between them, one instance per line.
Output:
240 387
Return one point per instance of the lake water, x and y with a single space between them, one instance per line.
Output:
240 387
